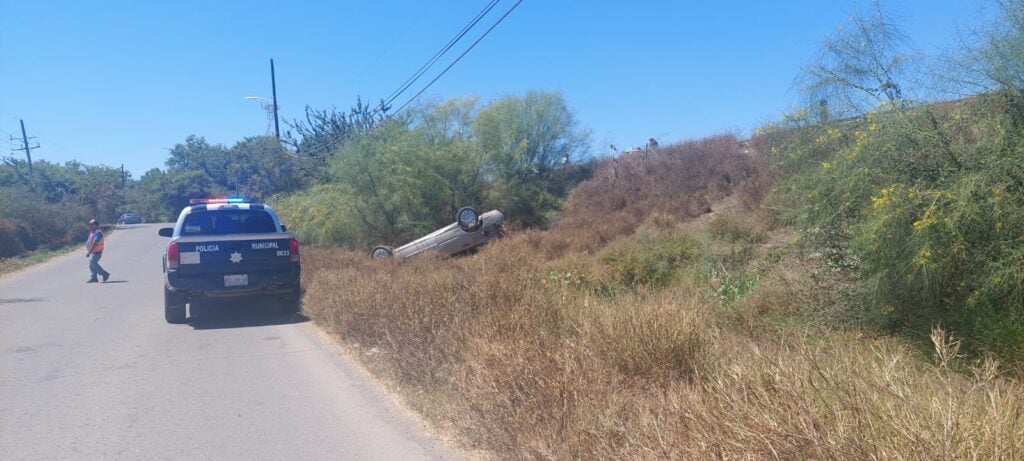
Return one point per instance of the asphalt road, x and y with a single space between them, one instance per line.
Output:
92 371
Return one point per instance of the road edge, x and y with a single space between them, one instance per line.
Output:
53 256
411 421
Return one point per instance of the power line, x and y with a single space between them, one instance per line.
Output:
464 53
36 134
386 101
61 148
330 144
433 59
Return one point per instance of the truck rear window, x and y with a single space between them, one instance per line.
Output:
222 222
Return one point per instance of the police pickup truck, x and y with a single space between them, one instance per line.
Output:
227 247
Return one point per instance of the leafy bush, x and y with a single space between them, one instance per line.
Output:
321 215
648 259
410 174
929 204
924 203
29 222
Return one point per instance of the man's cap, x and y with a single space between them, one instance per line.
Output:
92 221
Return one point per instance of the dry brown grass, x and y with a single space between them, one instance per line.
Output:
670 185
535 349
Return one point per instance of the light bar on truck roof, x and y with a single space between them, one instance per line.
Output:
213 200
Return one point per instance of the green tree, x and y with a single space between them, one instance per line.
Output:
411 173
859 67
256 167
377 169
260 167
48 207
999 57
528 139
449 167
151 195
322 133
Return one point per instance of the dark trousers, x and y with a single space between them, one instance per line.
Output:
94 265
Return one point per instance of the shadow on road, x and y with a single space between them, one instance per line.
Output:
214 314
20 300
115 281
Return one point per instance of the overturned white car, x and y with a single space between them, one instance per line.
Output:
470 230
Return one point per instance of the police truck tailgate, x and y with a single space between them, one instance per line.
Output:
238 259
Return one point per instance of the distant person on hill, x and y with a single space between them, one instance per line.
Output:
94 251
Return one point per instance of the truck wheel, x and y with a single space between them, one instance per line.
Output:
289 304
381 252
174 306
468 219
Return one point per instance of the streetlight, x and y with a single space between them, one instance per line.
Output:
268 105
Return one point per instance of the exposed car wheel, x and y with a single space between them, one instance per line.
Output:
174 306
381 252
468 219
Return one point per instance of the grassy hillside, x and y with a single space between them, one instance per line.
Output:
670 313
924 207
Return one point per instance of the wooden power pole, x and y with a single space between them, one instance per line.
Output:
273 89
25 147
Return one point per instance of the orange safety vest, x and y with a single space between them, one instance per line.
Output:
94 244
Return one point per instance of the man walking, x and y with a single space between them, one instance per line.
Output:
94 251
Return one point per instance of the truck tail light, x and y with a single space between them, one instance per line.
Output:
173 255
293 250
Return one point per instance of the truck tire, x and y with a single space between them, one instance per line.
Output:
288 304
174 307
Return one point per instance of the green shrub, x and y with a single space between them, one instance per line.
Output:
737 229
649 259
926 205
30 222
321 216
730 287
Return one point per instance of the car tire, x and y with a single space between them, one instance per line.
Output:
468 219
382 252
174 306
289 304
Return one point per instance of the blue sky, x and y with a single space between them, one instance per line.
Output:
117 82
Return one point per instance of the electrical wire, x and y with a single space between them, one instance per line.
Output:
437 56
464 53
394 95
390 98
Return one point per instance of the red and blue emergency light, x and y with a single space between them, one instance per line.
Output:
213 200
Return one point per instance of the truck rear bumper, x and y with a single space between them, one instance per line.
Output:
213 285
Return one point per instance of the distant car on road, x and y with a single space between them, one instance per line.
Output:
129 218
226 247
470 230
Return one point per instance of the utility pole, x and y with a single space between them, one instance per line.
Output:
273 89
124 192
27 148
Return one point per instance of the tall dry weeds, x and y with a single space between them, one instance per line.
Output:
673 183
523 351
